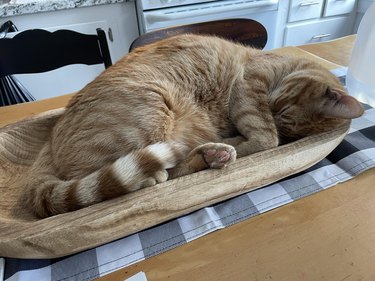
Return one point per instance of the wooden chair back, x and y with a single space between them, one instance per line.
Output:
245 31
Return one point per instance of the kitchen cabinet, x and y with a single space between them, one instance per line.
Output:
334 7
317 31
312 21
304 10
117 20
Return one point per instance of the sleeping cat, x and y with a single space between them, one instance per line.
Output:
176 107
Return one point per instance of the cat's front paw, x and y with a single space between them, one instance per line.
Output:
218 155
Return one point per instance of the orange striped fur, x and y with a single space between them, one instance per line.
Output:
176 107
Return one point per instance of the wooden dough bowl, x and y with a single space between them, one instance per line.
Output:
24 236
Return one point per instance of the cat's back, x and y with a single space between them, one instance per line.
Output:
165 79
188 45
198 63
188 55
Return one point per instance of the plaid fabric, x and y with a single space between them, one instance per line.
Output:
354 155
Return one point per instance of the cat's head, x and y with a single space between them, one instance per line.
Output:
311 101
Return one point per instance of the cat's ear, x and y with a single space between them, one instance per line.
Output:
340 105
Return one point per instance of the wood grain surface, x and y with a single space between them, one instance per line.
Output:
13 113
244 31
336 51
24 236
328 236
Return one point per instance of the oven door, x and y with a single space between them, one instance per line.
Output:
263 11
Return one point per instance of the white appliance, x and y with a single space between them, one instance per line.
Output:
157 14
360 76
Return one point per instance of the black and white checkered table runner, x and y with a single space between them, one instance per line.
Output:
354 155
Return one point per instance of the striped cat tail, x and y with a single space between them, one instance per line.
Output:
140 168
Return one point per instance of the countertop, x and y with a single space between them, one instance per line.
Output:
22 7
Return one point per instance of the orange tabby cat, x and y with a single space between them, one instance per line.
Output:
176 107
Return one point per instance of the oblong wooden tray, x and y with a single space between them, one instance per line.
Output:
23 236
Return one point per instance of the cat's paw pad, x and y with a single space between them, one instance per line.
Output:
219 155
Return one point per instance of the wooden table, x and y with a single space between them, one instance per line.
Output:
326 236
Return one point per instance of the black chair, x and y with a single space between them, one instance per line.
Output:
245 31
37 50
